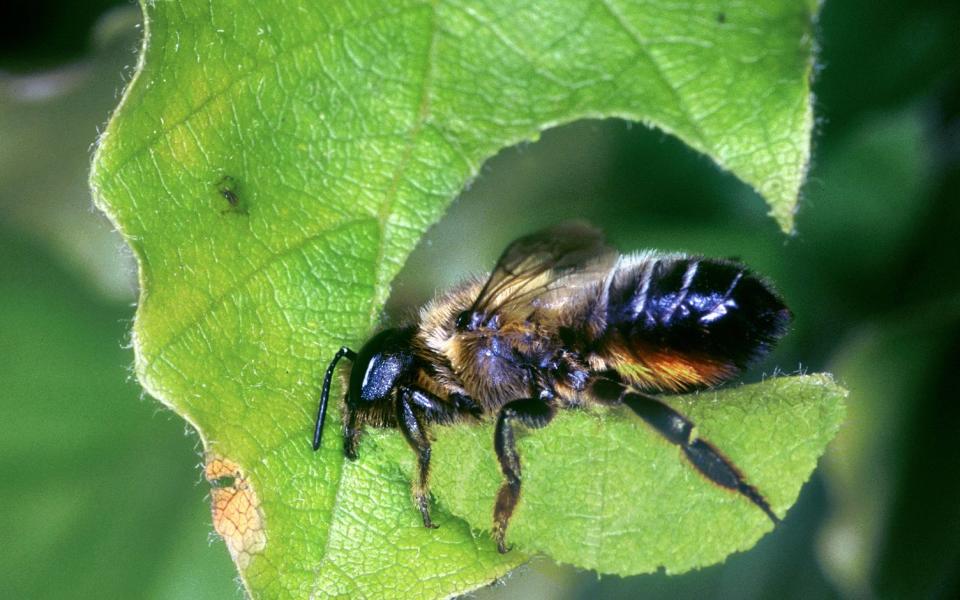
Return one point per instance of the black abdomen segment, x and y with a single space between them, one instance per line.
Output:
714 308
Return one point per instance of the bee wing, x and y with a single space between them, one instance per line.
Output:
533 269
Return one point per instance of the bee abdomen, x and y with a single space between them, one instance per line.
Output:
713 309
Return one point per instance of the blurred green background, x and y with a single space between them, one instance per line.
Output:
100 488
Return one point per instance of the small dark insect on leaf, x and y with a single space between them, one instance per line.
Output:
225 481
721 17
227 187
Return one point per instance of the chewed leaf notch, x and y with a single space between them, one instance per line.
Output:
237 517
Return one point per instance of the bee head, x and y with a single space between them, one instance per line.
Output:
377 370
379 366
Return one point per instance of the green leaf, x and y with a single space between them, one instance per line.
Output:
341 132
603 491
888 365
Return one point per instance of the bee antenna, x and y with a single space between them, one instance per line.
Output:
325 393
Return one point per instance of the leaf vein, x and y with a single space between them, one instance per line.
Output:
298 246
643 45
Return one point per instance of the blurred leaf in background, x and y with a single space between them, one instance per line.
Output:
100 490
49 120
40 34
101 494
874 465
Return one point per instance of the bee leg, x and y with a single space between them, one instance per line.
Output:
352 432
466 404
416 436
678 430
533 413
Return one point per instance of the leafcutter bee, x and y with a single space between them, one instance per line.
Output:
563 321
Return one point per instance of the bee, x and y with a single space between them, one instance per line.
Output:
563 321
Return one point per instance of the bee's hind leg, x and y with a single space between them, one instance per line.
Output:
533 413
678 430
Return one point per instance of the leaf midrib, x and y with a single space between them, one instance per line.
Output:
386 210
643 46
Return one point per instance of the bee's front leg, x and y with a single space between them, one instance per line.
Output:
352 431
416 435
465 403
533 413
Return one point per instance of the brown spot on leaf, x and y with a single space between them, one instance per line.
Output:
237 516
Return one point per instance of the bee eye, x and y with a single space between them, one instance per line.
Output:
463 320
